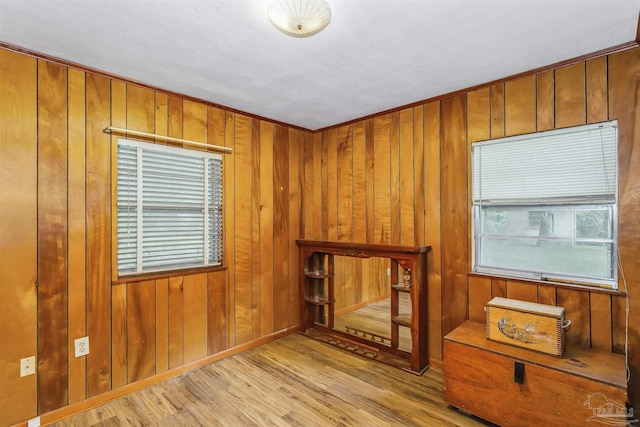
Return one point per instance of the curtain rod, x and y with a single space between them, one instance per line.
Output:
112 129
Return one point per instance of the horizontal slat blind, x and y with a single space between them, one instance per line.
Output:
170 231
215 211
575 164
127 208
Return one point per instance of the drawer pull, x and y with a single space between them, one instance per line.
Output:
518 372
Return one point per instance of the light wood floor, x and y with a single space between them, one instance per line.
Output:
295 381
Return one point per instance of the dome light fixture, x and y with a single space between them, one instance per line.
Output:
299 18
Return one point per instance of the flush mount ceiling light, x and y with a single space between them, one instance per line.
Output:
299 18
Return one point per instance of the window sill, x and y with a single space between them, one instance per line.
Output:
166 274
566 285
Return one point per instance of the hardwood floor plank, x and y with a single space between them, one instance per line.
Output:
295 381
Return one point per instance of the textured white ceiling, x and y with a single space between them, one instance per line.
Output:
374 55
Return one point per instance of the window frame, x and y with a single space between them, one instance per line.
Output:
525 205
181 151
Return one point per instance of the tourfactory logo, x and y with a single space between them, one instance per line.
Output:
608 412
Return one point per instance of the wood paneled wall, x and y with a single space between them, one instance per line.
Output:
399 177
403 178
57 225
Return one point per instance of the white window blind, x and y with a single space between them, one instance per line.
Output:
572 165
169 208
545 205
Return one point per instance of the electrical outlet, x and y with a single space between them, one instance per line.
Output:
81 346
27 366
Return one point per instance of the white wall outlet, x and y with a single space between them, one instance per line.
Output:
34 422
27 366
81 346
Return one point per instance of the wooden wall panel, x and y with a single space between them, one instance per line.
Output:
359 183
479 115
296 226
141 330
76 257
546 100
98 187
311 181
161 119
18 226
195 317
454 205
395 180
382 179
254 285
420 159
332 184
281 237
52 237
216 321
520 106
176 334
428 123
345 183
498 288
619 319
242 230
174 118
405 191
601 332
523 291
547 294
624 105
119 335
479 296
597 99
478 129
266 217
369 189
140 110
162 325
497 111
570 96
229 201
322 192
576 304
119 292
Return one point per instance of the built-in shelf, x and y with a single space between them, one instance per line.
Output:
400 288
316 300
316 273
402 320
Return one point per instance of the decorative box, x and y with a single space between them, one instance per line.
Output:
538 327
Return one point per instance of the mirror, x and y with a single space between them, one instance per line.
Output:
363 299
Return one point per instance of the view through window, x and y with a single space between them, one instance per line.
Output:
545 205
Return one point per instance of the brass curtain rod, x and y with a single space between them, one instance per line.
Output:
224 150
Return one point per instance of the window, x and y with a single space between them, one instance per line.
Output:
545 205
169 208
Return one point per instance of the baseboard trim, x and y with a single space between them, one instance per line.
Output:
101 399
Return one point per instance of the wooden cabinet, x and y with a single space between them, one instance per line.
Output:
317 291
512 386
